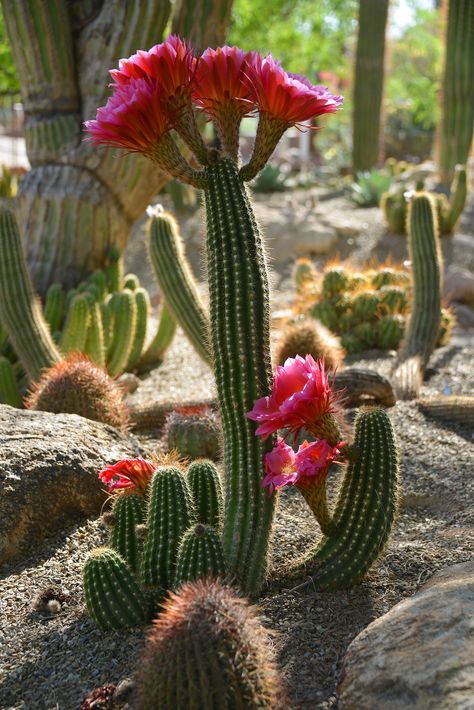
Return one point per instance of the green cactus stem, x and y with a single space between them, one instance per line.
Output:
20 312
368 83
99 280
95 342
156 350
205 484
113 597
131 281
54 307
365 510
424 323
359 384
200 555
239 302
177 282
458 89
194 433
170 514
128 512
457 200
124 309
114 270
142 306
74 335
9 392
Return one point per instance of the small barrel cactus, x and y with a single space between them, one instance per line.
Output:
200 555
215 648
194 432
205 484
310 336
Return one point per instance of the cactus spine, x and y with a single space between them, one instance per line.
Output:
128 512
238 288
365 509
155 351
205 484
458 88
368 83
9 392
170 514
200 555
176 280
425 319
20 311
113 596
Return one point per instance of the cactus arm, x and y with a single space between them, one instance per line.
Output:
240 342
128 511
204 482
20 312
155 351
74 335
9 392
177 282
95 343
125 319
200 555
54 307
142 303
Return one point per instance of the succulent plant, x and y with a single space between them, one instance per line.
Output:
309 336
194 432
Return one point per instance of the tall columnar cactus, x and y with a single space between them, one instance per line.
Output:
457 200
368 83
425 319
124 309
128 511
20 311
205 484
458 88
200 555
9 392
113 596
94 347
154 353
142 307
216 650
177 282
170 514
365 510
54 307
74 335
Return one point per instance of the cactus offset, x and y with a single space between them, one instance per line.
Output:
193 432
124 310
20 312
94 347
128 511
113 596
155 351
177 282
205 485
74 335
212 642
200 555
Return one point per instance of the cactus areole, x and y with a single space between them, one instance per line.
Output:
160 91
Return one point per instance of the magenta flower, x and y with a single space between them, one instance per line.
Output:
285 467
288 97
130 475
301 395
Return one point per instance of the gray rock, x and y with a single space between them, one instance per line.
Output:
420 655
49 472
459 285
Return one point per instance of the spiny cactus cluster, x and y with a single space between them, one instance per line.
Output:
366 309
394 204
303 336
216 649
194 432
164 532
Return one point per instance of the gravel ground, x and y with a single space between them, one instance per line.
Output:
53 661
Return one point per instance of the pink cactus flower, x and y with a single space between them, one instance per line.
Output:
133 118
285 467
221 80
129 475
288 97
301 395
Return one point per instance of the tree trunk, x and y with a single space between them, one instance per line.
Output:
78 200
368 83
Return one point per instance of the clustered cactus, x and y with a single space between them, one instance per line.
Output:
164 532
194 432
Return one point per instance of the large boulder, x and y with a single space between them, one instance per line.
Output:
420 655
48 472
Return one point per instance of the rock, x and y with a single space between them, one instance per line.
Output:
420 654
459 285
49 472
128 382
464 315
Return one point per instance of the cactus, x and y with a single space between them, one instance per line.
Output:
309 336
20 312
74 335
142 306
365 305
304 274
358 384
393 206
389 331
131 281
425 318
458 88
335 282
242 366
170 513
175 278
9 392
365 510
113 596
200 555
155 351
124 309
216 650
77 386
128 511
450 216
368 83
205 485
395 298
95 342
152 416
448 321
455 408
99 279
193 432
54 307
114 270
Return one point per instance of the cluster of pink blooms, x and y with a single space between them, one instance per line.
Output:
128 475
153 88
301 395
